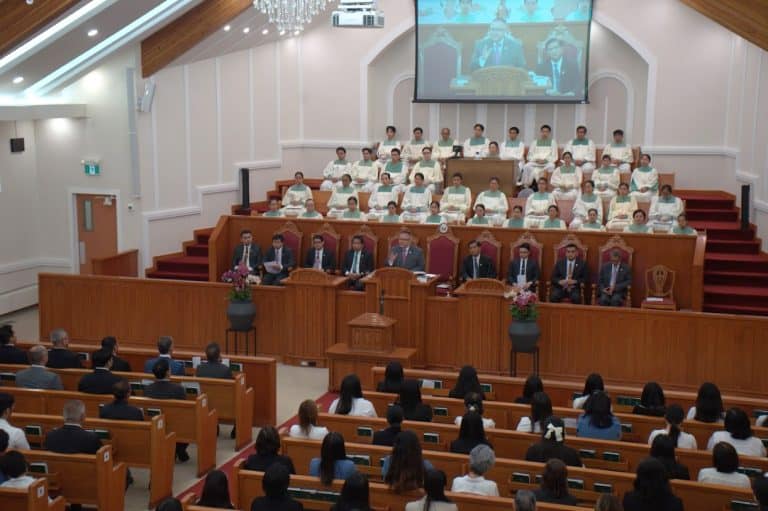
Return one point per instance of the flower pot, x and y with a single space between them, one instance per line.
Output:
524 335
240 314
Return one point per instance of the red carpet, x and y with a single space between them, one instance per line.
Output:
324 402
192 265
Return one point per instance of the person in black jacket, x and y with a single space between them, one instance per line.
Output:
281 255
71 438
275 485
101 380
562 70
652 401
395 421
59 357
477 265
663 449
119 409
267 448
119 365
10 354
164 388
552 445
614 279
410 401
471 434
213 367
554 485
467 382
216 491
393 378
652 490
524 266
319 257
247 252
357 263
568 276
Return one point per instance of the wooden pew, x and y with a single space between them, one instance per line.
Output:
88 479
188 504
192 421
34 498
259 371
231 399
137 444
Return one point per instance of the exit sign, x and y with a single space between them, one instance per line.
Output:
91 168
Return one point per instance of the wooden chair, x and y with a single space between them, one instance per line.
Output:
604 257
536 253
581 253
332 241
491 247
393 240
292 238
659 288
442 256
443 48
370 242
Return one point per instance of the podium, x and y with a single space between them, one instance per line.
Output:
483 318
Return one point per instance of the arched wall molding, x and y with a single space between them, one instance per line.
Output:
627 83
397 80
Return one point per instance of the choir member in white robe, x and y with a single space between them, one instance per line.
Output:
398 171
384 147
274 209
337 204
620 152
586 201
296 196
516 220
391 217
310 211
593 222
334 170
412 150
639 223
553 221
353 211
434 214
566 179
479 218
381 197
514 149
416 201
495 202
583 150
664 210
443 148
621 209
493 151
536 205
542 155
682 227
477 145
645 181
430 171
456 200
365 172
606 179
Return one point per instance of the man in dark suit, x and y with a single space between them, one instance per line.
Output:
119 365
405 255
357 263
498 48
165 350
394 421
119 409
10 354
247 252
476 265
283 257
101 380
164 388
568 276
563 71
524 266
71 438
615 278
59 357
213 368
318 257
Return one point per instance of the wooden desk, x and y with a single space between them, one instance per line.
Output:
482 320
477 173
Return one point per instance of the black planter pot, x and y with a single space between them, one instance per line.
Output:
524 335
240 314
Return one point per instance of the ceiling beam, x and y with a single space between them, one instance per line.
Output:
182 34
747 18
19 20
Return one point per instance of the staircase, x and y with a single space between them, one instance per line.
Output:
191 264
735 269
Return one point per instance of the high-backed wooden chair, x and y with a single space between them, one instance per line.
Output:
491 247
559 250
370 242
392 240
437 51
536 252
332 241
659 288
292 238
614 243
443 255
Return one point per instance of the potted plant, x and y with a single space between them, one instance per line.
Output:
524 330
241 309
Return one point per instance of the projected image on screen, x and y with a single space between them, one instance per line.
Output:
502 50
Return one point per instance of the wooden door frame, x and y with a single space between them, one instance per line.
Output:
72 192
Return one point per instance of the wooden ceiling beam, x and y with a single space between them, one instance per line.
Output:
747 18
182 34
19 20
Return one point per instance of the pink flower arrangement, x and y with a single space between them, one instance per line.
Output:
523 306
241 280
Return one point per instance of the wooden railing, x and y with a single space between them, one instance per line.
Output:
122 264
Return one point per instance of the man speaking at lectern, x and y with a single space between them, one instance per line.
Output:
498 48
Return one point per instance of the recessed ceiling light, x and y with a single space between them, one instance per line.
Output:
18 80
265 31
226 28
246 30
93 32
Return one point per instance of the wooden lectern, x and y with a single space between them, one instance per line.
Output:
371 332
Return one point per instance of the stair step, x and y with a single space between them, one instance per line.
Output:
184 264
706 202
736 309
202 238
177 275
736 295
198 250
736 278
733 246
715 215
724 230
734 262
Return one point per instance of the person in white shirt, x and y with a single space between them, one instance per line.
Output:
397 170
432 173
542 155
639 224
537 204
274 210
477 145
14 466
384 147
566 179
435 499
456 200
725 472
350 400
379 200
709 404
495 202
553 220
435 217
412 150
619 152
664 210
514 149
493 151
738 433
353 212
479 218
682 227
338 200
516 220
296 196
541 410
644 184
365 172
587 200
16 438
307 427
593 383
481 460
310 211
473 402
606 179
621 209
674 419
443 148
416 201
583 150
334 170
592 222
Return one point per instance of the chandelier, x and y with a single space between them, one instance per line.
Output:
290 15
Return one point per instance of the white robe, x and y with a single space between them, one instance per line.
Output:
581 207
606 183
337 204
587 153
377 202
536 206
332 174
476 150
365 175
443 151
496 205
455 203
623 207
400 177
532 171
644 179
623 153
418 201
384 151
587 227
293 194
663 215
512 152
412 150
566 183
433 174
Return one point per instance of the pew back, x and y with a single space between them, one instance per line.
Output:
33 498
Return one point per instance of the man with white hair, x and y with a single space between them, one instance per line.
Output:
59 357
71 438
481 460
525 500
37 376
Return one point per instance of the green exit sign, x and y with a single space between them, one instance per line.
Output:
92 169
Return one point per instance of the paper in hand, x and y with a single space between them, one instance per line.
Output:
273 267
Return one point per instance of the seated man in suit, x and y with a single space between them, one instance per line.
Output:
568 276
71 438
498 48
357 263
404 255
10 354
101 380
615 277
280 259
477 265
16 437
119 409
247 252
37 376
562 71
213 367
109 343
165 351
59 357
524 271
387 436
164 388
318 257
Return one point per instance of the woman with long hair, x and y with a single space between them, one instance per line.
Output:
404 469
552 445
471 434
434 498
275 484
709 404
467 382
350 400
354 494
608 502
541 410
592 384
532 385
473 402
663 449
554 485
652 401
307 427
332 463
216 491
267 452
674 419
738 433
393 378
652 490
410 400
598 421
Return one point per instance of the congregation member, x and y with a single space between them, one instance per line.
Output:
37 376
592 384
593 222
598 421
59 356
357 263
760 488
165 351
481 460
621 209
541 411
434 498
709 404
310 211
553 221
467 382
384 147
443 149
514 149
119 408
606 179
456 200
355 494
537 205
644 183
412 150
663 449
651 489
583 150
16 437
665 208
416 200
307 427
397 172
619 152
393 378
430 170
274 210
405 254
351 400
296 196
493 151
471 434
569 276
673 418
552 445
379 200
337 202
525 500
476 146
524 271
9 353
353 212
494 201
275 486
215 492
682 227
725 471
515 220
109 343
71 438
101 380
542 155
386 436
409 399
403 470
614 280
164 388
318 257
332 463
365 172
738 432
334 170
554 485
473 403
566 179
391 216
652 401
247 253
435 216
476 265
213 366
532 385
479 217
278 262
639 223
13 466
586 200
268 452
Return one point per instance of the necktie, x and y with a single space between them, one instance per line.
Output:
356 263
318 260
246 249
570 270
404 256
522 267
279 256
614 271
475 265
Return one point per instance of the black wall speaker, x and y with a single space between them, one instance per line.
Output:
245 188
17 145
745 207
